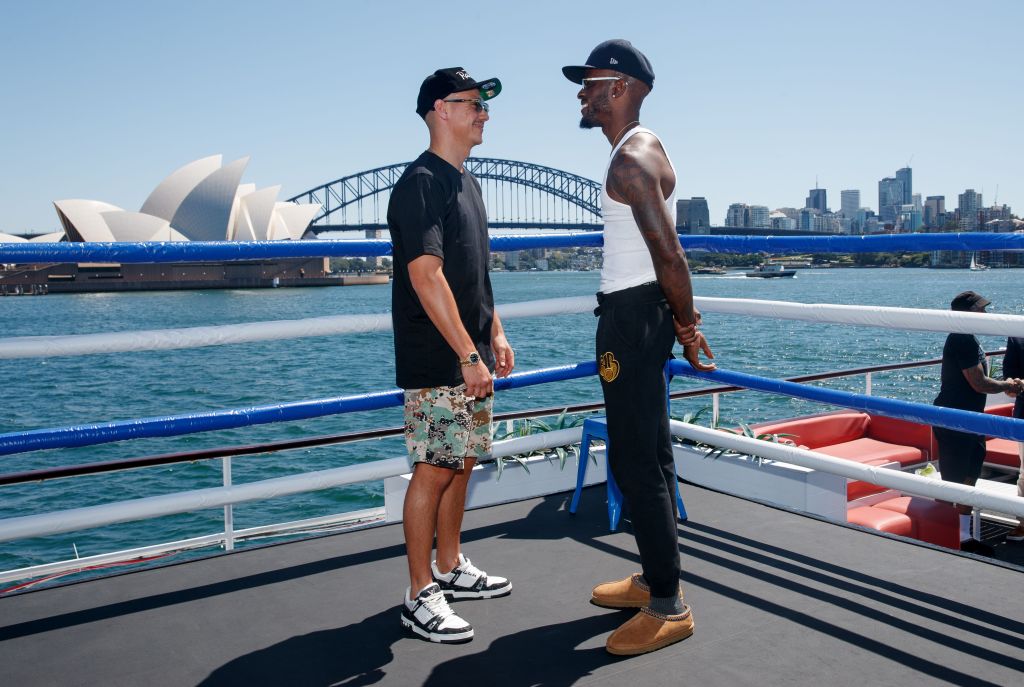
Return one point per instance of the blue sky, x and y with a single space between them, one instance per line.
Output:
753 99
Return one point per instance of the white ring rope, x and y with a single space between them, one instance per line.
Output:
915 319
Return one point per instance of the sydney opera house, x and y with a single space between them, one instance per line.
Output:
202 201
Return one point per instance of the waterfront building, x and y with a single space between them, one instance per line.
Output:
934 211
759 217
737 216
817 199
968 210
698 215
807 219
202 201
780 222
850 201
910 218
906 178
792 213
827 223
890 198
683 214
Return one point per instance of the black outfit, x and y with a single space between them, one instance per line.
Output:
960 453
634 340
437 210
1013 366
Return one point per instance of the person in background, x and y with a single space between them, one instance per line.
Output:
965 382
1013 367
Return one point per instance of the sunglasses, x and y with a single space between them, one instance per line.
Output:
594 79
478 104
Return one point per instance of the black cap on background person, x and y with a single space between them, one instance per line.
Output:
969 301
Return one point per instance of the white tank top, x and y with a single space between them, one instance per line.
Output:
627 260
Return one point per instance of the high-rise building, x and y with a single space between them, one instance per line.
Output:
968 207
760 217
698 216
910 217
890 198
807 219
816 200
934 211
780 222
737 215
906 177
850 203
682 214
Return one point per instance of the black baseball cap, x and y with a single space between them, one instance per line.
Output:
969 300
618 55
444 82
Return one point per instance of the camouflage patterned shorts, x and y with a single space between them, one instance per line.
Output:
443 426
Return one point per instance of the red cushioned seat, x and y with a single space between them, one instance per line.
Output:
933 522
821 430
1004 409
864 450
881 519
856 488
1002 452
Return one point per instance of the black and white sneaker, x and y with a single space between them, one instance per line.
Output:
430 616
466 581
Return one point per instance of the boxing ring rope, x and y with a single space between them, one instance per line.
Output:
916 319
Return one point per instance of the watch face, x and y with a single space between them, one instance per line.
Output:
474 358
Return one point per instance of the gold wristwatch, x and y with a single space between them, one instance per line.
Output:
470 360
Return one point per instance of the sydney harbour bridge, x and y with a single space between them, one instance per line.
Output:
518 195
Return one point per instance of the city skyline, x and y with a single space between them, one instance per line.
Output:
107 96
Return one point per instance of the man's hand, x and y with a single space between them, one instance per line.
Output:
478 380
504 356
692 351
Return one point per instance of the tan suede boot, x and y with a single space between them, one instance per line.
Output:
649 631
628 593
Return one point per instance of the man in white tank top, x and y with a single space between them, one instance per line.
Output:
645 304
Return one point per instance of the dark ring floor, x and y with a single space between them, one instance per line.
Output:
778 599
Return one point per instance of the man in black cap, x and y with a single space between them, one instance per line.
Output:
448 341
965 383
645 304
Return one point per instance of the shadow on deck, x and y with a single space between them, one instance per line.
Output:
778 599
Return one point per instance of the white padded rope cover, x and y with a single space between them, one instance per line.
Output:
916 319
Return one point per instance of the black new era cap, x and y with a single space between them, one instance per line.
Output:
444 82
968 301
618 55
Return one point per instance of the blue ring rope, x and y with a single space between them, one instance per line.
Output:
204 251
194 423
962 420
176 425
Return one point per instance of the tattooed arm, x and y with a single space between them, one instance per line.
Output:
641 176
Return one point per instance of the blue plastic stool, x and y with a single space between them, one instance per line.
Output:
598 428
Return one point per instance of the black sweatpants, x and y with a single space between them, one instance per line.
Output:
634 340
961 455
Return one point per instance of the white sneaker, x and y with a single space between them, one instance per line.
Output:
430 616
466 581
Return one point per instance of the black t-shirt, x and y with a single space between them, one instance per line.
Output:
437 210
1013 366
961 352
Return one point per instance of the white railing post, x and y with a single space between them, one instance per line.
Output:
714 410
867 384
229 509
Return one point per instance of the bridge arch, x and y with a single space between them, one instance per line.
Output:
519 194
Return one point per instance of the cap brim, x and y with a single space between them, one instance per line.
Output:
576 73
489 88
983 303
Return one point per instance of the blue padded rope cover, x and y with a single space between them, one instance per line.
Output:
193 251
192 423
963 420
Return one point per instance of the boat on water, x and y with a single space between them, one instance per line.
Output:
771 271
710 269
977 266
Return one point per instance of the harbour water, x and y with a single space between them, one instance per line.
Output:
41 393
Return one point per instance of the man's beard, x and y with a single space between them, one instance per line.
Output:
595 107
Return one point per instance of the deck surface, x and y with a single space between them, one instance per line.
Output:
778 599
